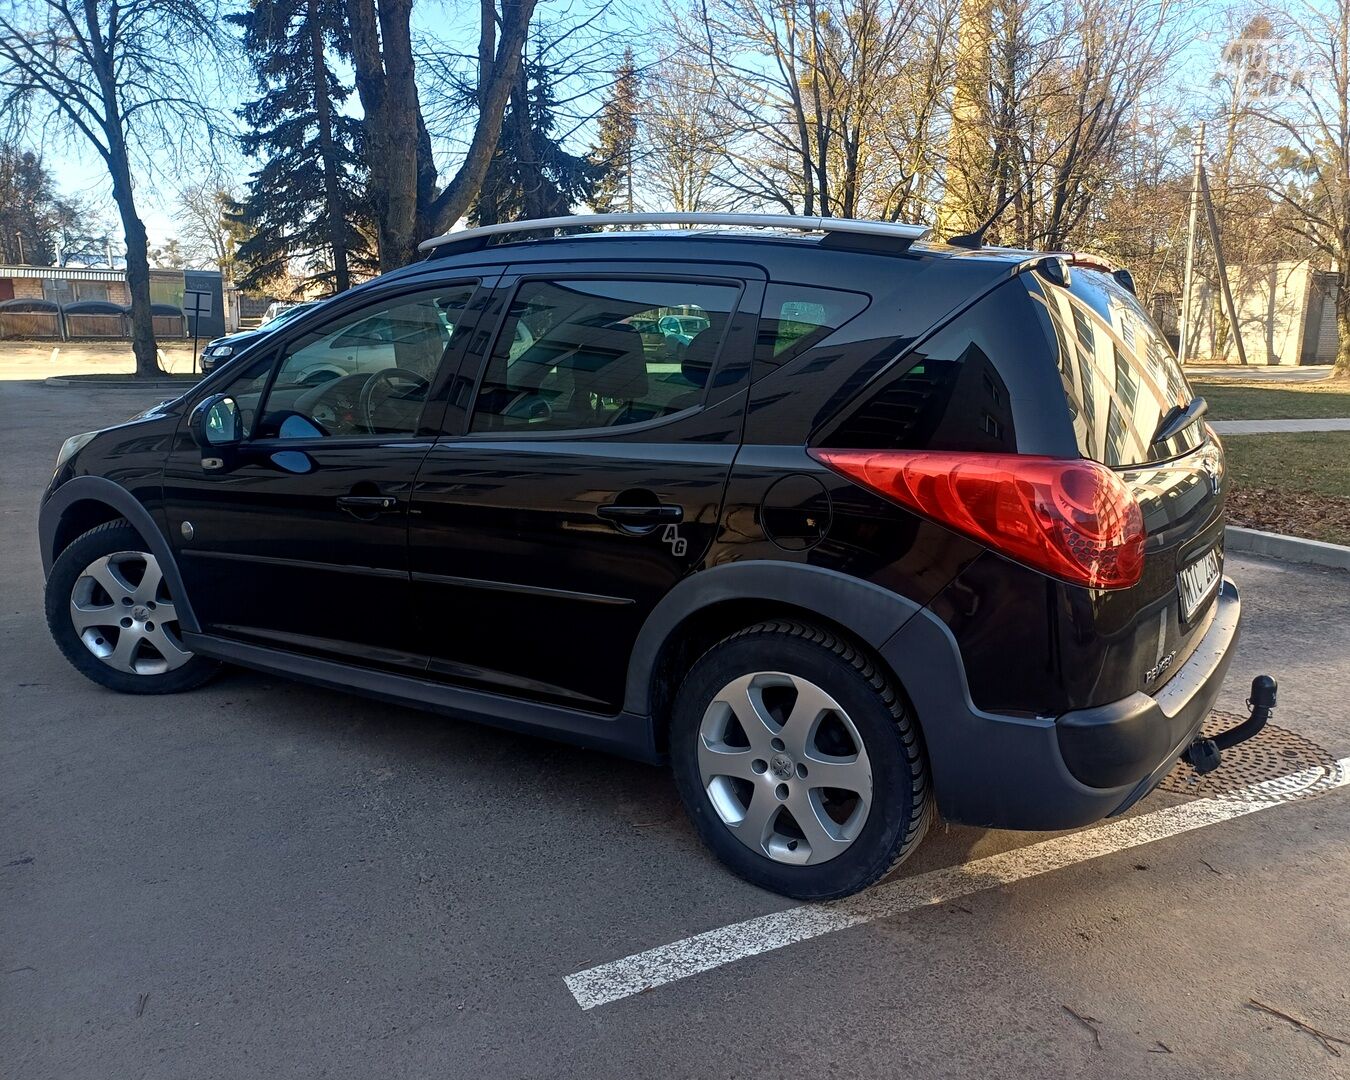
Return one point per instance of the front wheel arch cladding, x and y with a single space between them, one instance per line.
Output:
101 489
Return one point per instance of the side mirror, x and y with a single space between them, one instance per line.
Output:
216 423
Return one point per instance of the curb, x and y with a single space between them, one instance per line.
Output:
114 382
1280 427
1287 548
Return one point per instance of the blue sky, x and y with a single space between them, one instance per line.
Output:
452 22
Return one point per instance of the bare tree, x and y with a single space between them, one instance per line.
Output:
123 78
902 172
207 234
403 178
684 128
807 84
1309 109
1064 83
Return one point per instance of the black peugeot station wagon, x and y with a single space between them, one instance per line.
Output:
850 527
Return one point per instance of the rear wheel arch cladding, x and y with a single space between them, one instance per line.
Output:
748 592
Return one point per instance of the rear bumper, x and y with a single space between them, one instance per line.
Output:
1115 744
1001 771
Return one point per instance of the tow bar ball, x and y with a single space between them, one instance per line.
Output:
1203 754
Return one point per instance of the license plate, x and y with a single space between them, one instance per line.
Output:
1197 581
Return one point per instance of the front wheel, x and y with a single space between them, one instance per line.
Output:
798 763
111 613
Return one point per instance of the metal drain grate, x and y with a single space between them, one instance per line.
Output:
1299 766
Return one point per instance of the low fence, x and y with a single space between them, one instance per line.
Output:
51 324
97 326
30 324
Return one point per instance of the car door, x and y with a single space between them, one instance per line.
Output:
297 538
586 480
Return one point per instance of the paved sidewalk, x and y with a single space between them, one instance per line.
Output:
1273 372
1272 427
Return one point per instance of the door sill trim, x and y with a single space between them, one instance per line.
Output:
625 734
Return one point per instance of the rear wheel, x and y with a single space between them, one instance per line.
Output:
798 761
110 611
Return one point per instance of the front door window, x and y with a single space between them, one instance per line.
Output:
367 373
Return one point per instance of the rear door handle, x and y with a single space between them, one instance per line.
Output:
367 505
641 515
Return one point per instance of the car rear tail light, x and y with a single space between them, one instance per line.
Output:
1072 518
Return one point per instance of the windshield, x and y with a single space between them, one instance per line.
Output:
283 315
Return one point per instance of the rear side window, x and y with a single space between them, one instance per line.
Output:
950 394
1119 374
576 354
795 317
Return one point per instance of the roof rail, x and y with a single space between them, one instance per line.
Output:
893 230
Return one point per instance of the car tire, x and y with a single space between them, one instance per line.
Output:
111 614
822 711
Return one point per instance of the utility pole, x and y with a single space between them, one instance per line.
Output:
1225 288
1185 327
1199 192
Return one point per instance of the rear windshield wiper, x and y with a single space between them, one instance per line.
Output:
1177 419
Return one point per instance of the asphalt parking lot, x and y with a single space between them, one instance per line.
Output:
265 879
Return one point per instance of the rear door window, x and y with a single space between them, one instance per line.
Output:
1119 374
586 353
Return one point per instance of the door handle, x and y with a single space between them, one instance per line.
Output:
641 515
367 505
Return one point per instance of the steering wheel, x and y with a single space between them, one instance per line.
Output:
386 377
528 405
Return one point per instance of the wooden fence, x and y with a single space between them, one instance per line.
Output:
30 324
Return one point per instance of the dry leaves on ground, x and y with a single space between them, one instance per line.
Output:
1318 517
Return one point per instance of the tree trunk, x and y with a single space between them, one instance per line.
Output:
452 203
531 183
119 170
398 148
383 64
138 268
487 47
1342 367
968 165
332 191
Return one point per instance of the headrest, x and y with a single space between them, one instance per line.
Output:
605 359
696 362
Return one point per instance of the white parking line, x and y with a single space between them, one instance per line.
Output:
642 971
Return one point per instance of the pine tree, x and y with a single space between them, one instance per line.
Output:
531 175
27 208
616 139
306 201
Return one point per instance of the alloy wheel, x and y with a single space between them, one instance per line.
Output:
122 611
785 768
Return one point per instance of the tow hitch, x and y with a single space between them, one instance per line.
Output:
1203 754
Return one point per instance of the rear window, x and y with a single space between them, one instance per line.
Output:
1119 374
